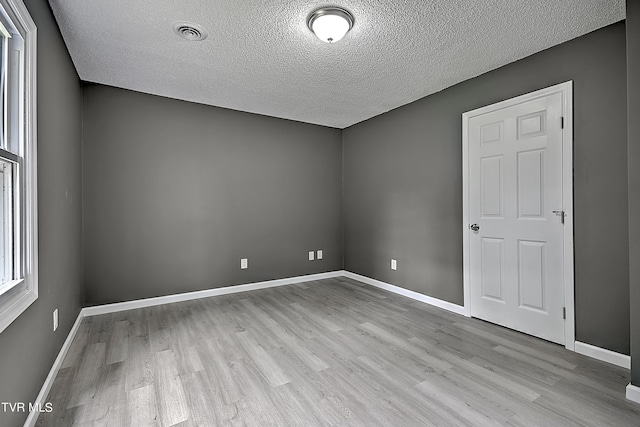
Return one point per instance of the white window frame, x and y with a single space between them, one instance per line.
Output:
17 295
7 220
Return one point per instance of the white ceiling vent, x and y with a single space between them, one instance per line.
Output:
189 31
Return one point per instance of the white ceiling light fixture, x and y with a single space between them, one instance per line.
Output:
330 24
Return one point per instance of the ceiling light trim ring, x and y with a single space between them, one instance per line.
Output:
330 10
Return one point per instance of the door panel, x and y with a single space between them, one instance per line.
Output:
491 133
492 268
530 176
533 124
515 184
531 275
491 183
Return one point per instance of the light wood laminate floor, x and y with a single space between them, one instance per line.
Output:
329 352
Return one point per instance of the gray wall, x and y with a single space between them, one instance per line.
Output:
633 102
175 193
29 346
403 182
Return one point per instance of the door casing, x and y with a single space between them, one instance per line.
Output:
566 89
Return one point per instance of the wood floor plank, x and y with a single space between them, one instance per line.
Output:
218 369
295 408
139 364
357 408
329 352
257 405
265 363
118 344
87 375
486 374
469 410
60 394
108 405
77 346
142 407
317 392
204 399
170 394
545 354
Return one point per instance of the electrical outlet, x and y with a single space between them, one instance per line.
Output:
394 264
244 263
55 319
319 254
311 255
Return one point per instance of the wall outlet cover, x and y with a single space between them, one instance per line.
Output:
319 256
244 263
55 319
394 264
311 255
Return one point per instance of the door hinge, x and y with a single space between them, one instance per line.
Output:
564 313
561 214
561 122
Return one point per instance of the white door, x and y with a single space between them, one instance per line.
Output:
515 212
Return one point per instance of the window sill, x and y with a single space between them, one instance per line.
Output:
7 286
15 297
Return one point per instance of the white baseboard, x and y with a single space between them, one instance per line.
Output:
458 309
48 382
603 354
149 302
633 393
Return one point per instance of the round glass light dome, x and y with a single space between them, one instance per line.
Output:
330 24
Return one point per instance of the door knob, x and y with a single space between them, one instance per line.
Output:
474 227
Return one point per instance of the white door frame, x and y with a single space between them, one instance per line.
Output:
566 90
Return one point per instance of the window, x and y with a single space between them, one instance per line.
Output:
18 198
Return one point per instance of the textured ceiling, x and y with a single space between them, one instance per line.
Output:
260 57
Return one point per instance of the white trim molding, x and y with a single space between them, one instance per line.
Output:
603 354
446 305
633 393
566 90
57 364
149 302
